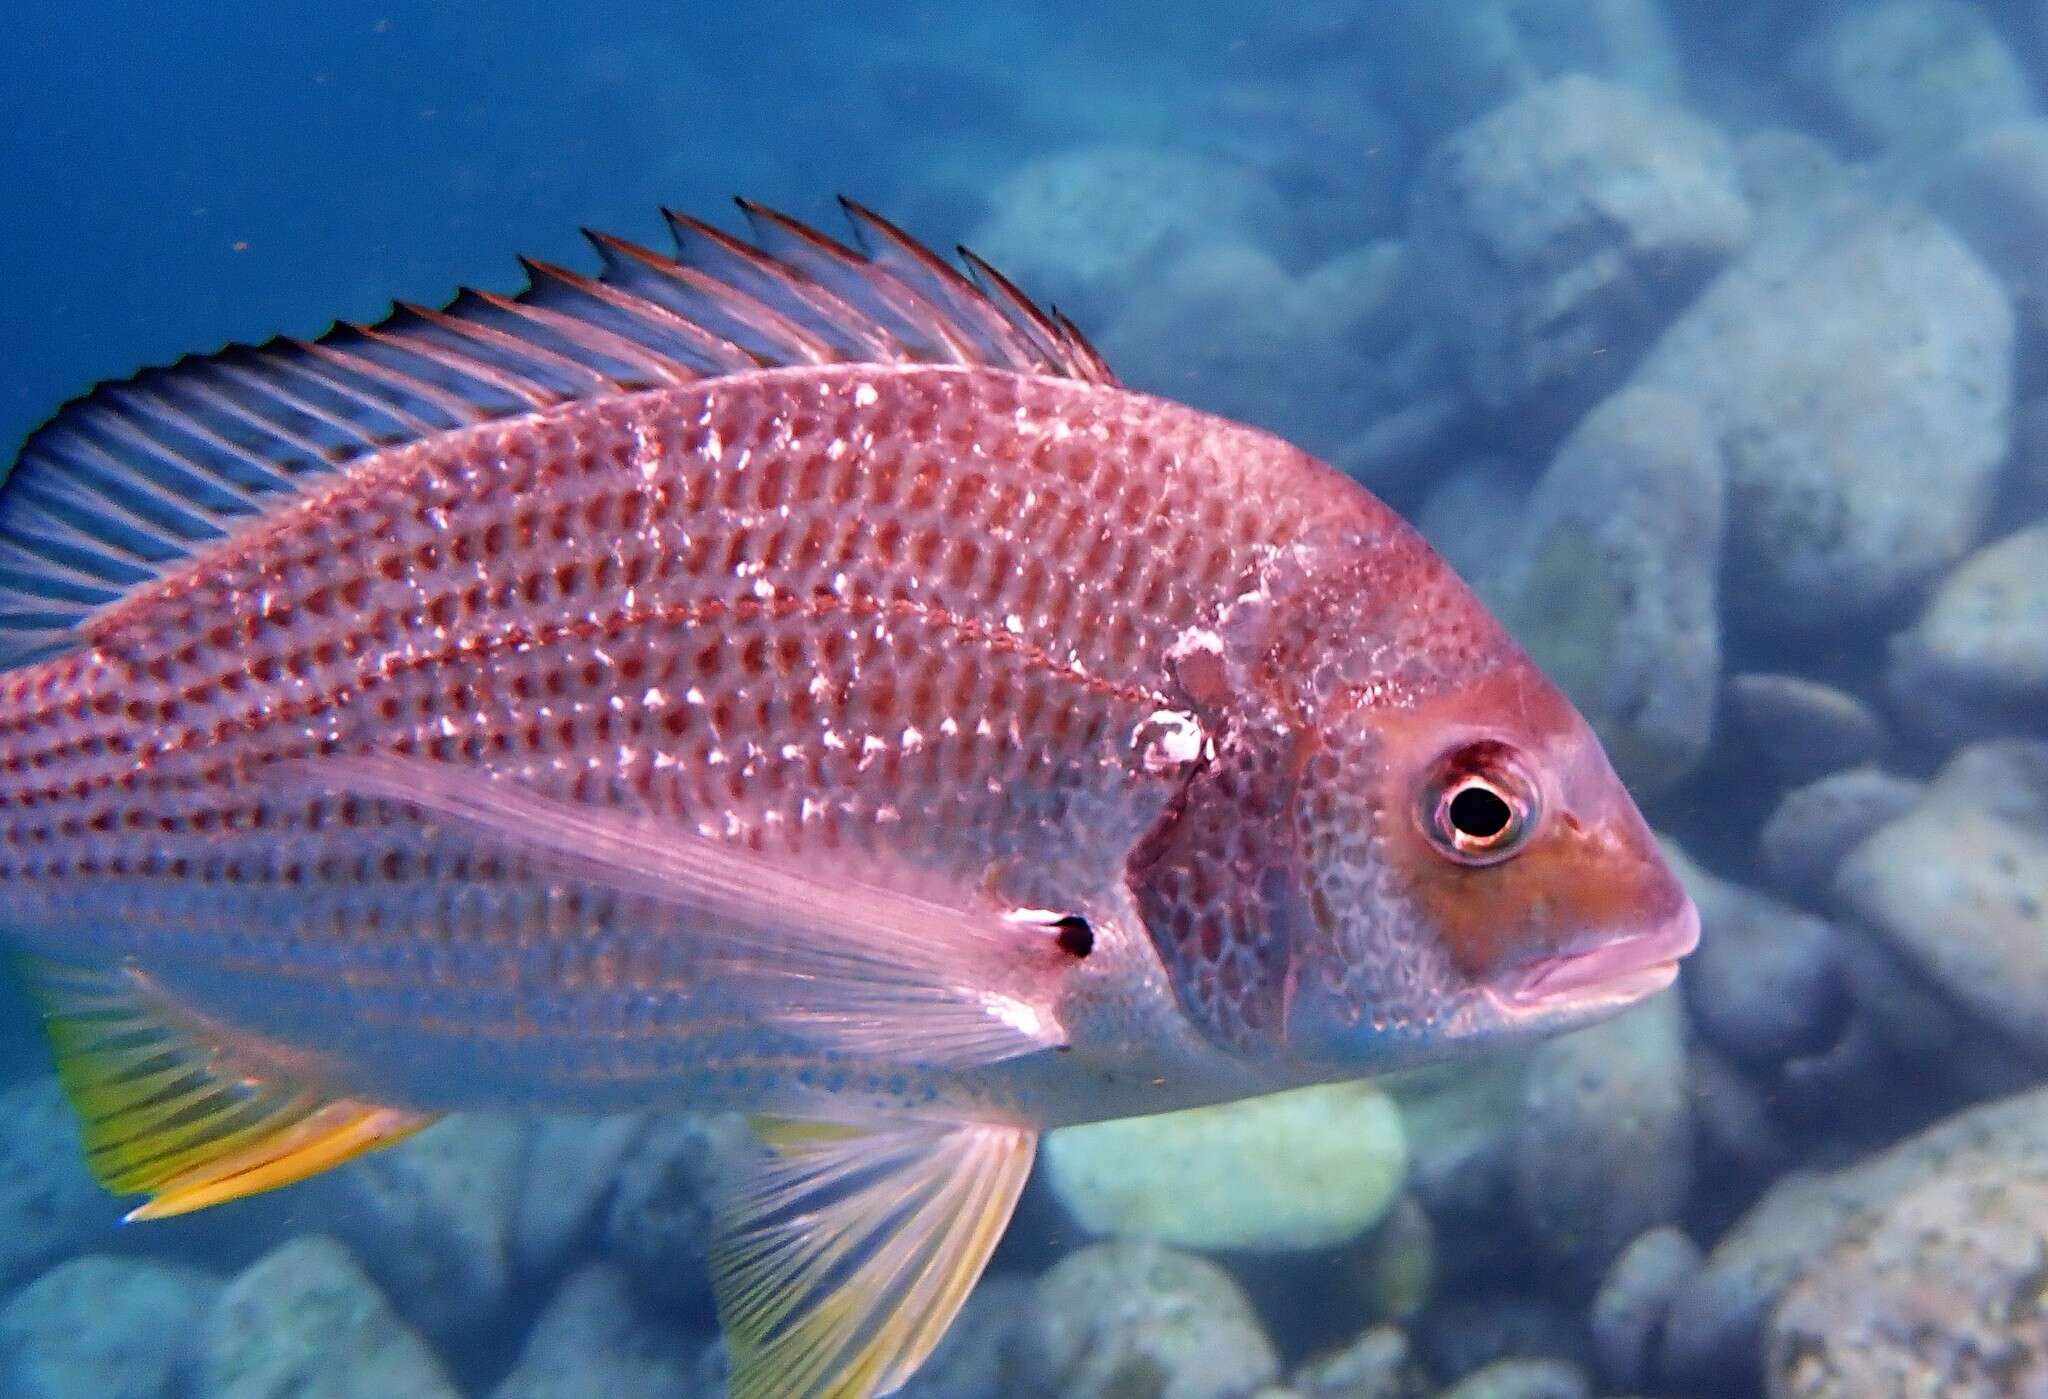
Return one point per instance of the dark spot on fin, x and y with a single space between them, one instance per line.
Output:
1074 935
141 474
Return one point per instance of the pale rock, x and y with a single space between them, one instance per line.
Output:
1301 1170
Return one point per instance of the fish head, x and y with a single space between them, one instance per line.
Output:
1508 885
1410 843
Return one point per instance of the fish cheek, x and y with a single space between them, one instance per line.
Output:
1542 902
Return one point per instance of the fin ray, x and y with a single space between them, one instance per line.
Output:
839 1265
182 1110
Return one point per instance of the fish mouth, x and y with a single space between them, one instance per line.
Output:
1608 975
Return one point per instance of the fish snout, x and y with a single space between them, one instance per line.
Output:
1604 969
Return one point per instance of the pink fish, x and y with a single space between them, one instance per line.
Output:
777 677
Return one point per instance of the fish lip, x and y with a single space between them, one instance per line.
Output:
1612 973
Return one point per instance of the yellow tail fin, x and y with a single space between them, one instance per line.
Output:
185 1110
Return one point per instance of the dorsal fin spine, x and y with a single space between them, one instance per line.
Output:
150 470
798 345
867 338
460 412
595 338
277 387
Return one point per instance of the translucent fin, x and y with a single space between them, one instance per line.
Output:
850 965
142 473
186 1111
839 1266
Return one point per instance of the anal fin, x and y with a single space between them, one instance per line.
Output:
841 1263
187 1111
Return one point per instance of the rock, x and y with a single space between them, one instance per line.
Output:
1739 1142
50 1206
1916 1023
305 1322
1555 236
1815 826
1302 1170
1401 445
1993 190
1133 1318
2027 477
1629 1308
103 1328
1768 983
1941 1293
571 1168
1396 1270
1460 1124
1854 368
596 1340
1958 886
1474 513
1446 64
1914 74
1338 162
1603 1150
1089 228
1465 1336
968 1363
1801 727
1522 1379
658 1225
1780 169
1378 1365
431 1219
1713 1336
1612 580
1226 329
1975 664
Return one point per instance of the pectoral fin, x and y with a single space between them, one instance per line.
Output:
852 964
840 1264
184 1110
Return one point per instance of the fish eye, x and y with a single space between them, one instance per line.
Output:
1479 806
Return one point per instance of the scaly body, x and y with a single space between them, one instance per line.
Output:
923 612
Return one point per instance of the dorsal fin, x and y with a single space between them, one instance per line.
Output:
142 472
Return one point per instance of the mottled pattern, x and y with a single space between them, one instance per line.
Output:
911 615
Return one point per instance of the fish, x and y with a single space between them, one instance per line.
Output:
787 675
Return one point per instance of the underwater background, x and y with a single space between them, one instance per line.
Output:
1705 336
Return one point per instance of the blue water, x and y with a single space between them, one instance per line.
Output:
1749 299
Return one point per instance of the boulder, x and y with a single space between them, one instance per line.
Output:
305 1322
103 1328
1447 64
1813 827
1612 580
1958 886
1975 664
1714 1335
1554 237
1089 228
1941 1292
1132 1317
1914 74
596 1341
1603 1149
1853 368
1302 1170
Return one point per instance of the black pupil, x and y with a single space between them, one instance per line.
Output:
1480 813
